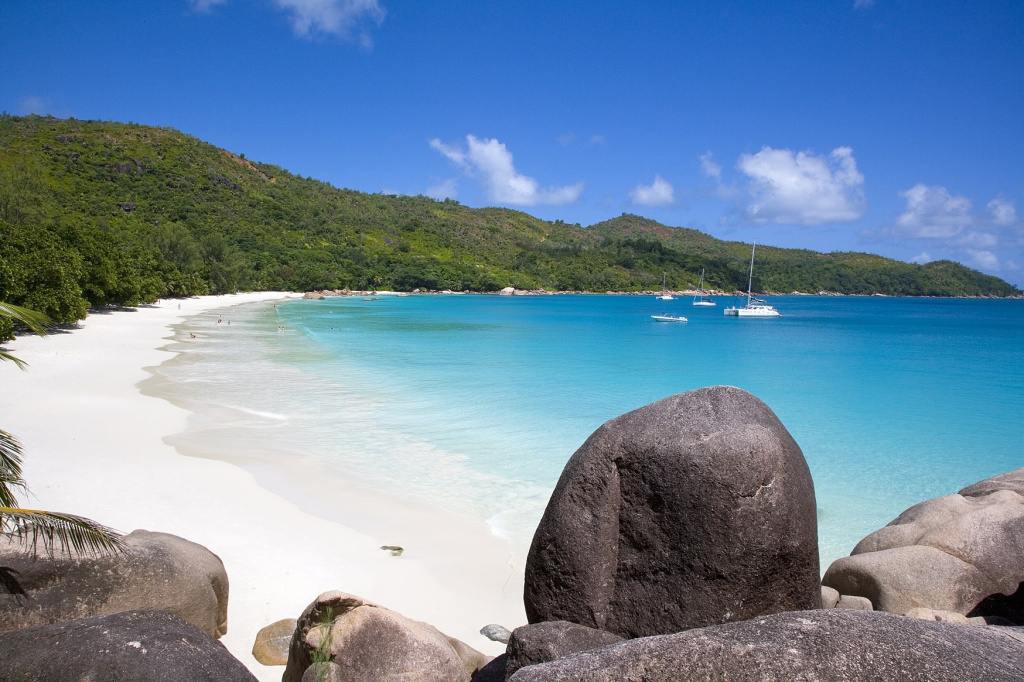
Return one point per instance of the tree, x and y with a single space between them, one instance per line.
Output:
32 527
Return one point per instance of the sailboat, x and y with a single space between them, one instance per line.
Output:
701 299
755 307
665 296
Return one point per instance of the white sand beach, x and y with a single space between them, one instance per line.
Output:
94 446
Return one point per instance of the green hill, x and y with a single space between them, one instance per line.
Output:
95 213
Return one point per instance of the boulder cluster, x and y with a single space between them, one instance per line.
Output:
679 543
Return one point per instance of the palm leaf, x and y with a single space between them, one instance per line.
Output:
70 534
35 321
10 469
32 319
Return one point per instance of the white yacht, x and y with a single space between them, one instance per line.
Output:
755 307
665 296
700 299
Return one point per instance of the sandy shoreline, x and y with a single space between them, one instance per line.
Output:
95 446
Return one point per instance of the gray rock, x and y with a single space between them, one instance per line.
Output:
831 645
161 572
366 641
962 553
134 646
847 601
324 672
544 642
694 510
829 597
944 617
496 633
273 641
1012 480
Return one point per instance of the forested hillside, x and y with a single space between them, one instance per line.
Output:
95 213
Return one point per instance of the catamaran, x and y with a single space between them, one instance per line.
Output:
755 307
665 296
700 299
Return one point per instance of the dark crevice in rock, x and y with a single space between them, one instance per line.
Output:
1009 607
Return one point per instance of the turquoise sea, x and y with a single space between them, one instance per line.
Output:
474 403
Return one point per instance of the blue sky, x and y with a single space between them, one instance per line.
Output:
872 125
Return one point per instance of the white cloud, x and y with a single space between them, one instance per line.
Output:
978 240
449 189
596 140
343 18
983 260
660 193
31 105
922 258
338 17
803 188
933 213
205 5
491 162
708 166
567 139
1003 212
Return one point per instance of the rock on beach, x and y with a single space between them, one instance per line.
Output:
961 553
159 571
691 511
814 646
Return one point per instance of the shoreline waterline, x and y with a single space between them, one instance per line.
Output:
110 460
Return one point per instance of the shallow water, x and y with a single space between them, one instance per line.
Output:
474 403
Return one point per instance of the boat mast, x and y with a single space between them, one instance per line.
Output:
750 280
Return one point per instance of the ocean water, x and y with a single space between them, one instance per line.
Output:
474 403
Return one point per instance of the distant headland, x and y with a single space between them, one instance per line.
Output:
96 213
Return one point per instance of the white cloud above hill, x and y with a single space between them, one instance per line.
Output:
342 18
660 193
490 162
801 188
932 212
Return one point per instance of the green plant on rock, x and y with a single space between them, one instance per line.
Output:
322 654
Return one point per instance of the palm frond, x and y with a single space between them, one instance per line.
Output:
10 469
70 534
4 355
32 319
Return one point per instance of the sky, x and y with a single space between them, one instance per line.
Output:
887 126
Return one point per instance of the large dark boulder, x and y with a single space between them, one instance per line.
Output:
551 640
160 571
694 510
833 645
365 641
960 553
135 646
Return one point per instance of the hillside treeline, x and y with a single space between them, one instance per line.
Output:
95 213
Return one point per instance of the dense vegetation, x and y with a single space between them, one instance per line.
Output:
95 213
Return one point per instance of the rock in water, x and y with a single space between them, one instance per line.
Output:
134 646
961 553
160 571
694 510
833 645
364 641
